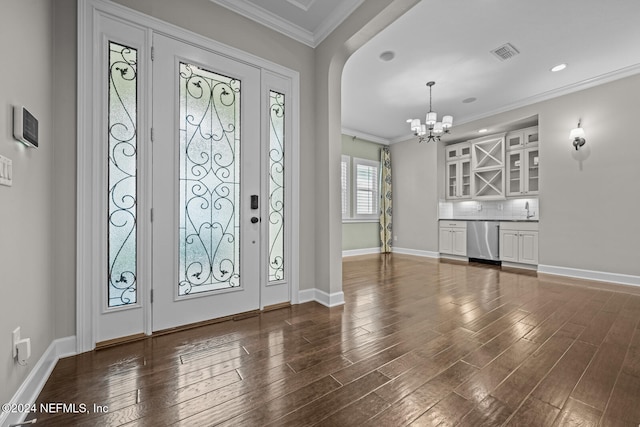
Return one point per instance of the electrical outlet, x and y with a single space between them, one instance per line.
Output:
15 337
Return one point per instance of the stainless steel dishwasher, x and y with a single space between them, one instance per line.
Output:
482 240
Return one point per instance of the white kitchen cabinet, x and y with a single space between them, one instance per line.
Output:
458 179
458 171
453 238
522 138
488 168
458 151
522 172
519 242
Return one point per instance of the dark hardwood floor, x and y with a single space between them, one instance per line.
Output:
419 342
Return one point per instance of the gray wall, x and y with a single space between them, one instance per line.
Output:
360 235
26 237
415 198
588 200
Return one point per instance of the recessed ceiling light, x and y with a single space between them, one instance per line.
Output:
469 100
482 130
387 55
559 67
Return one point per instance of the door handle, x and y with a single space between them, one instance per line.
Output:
254 201
254 219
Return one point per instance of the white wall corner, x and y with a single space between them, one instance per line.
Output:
356 252
416 252
600 276
31 387
328 300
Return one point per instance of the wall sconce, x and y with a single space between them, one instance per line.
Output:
577 136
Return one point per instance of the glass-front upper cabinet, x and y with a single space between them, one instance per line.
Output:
459 179
522 138
458 151
522 172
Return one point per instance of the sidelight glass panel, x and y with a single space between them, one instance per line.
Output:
276 186
209 181
121 170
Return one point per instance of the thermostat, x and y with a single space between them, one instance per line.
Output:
25 126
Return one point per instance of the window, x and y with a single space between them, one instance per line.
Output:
360 189
366 182
345 182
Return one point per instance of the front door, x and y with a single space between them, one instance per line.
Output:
206 185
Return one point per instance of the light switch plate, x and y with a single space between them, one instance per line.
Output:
6 171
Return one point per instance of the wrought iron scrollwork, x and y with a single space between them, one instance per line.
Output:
122 172
209 181
276 186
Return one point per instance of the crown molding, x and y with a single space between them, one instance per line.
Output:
561 91
268 19
332 21
289 29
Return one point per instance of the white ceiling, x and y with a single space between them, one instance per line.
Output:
308 21
449 42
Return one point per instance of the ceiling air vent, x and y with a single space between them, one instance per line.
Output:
506 51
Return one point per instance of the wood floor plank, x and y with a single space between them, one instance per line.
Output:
447 412
557 386
577 414
419 341
534 412
331 403
515 389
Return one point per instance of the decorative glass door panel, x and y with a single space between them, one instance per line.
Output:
206 160
122 172
276 185
209 182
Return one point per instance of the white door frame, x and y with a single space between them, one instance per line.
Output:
90 255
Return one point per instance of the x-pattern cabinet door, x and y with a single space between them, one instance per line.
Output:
488 161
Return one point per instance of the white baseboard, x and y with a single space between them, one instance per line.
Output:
601 276
328 300
365 251
520 266
32 386
416 252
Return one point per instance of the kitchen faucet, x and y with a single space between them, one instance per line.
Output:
529 215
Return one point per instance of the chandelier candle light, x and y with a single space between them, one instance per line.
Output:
436 129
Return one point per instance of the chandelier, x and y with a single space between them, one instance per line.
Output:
435 128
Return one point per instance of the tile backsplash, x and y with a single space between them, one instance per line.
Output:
490 209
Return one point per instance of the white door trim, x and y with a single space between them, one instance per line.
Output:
88 252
